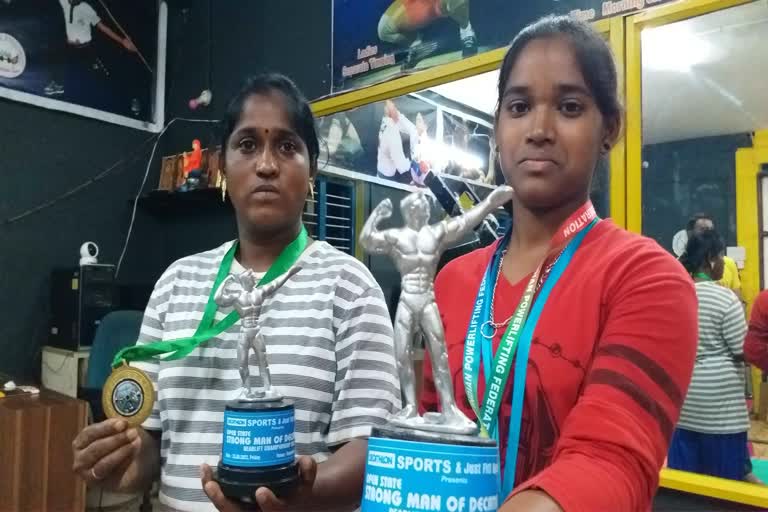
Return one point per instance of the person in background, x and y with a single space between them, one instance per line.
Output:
756 343
703 222
419 152
699 223
612 352
80 19
756 352
712 431
327 331
392 163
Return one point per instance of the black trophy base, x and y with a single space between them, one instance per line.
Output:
240 483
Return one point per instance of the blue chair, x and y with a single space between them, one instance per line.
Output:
117 330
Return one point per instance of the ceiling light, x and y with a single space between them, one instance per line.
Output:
673 48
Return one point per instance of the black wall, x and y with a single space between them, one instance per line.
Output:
44 154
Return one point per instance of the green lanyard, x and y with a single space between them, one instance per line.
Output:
502 361
176 349
497 367
702 276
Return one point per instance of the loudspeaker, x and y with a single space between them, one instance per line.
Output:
80 298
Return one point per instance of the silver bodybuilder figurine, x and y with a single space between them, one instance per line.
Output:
415 250
243 293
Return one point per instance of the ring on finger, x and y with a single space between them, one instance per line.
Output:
94 475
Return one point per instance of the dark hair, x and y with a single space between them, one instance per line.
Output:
592 54
702 248
696 218
299 111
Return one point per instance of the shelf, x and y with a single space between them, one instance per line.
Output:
340 232
166 202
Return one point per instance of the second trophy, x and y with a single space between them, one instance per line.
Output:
436 461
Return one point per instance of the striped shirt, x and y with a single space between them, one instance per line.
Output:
715 403
329 348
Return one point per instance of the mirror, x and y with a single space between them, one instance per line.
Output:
703 96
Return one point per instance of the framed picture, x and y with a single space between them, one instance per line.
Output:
103 59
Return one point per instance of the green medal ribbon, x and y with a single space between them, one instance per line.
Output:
702 276
176 349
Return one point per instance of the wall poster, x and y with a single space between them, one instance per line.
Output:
98 58
377 40
405 139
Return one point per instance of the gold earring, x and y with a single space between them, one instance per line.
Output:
312 190
223 190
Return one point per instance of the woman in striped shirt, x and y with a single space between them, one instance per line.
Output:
327 330
712 431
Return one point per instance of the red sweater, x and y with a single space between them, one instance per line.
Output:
609 367
756 342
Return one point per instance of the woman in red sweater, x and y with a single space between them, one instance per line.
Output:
756 343
571 340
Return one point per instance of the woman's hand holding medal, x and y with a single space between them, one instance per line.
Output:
112 455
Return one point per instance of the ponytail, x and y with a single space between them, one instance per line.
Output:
702 248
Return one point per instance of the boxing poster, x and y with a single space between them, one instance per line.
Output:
405 139
97 58
377 40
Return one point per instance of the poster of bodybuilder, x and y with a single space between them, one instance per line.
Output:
377 40
406 138
90 57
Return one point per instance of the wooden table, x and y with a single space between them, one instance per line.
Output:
36 433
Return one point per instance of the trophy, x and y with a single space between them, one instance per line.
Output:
258 447
436 461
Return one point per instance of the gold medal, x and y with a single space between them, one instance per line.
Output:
128 394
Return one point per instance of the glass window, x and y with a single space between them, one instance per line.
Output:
703 97
700 104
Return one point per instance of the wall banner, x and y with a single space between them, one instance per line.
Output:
377 40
